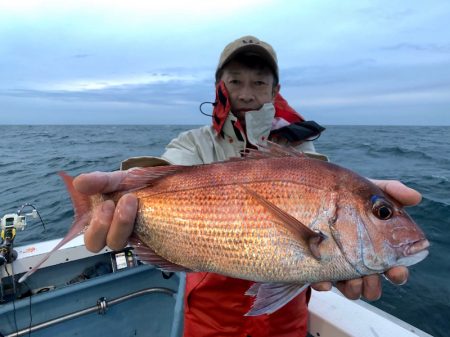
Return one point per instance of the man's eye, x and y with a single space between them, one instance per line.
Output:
260 83
234 81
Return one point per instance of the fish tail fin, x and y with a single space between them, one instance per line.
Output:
82 205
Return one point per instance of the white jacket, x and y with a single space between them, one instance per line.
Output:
205 146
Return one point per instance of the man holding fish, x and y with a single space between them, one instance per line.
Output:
249 111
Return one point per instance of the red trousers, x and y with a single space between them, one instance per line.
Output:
215 305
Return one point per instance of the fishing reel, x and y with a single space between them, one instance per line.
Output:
9 225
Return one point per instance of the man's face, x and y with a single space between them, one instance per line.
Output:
248 89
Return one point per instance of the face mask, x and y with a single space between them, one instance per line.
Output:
258 124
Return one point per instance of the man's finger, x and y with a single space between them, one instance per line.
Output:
397 275
351 289
95 235
321 286
400 192
123 222
99 182
372 287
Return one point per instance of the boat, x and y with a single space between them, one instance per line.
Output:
80 293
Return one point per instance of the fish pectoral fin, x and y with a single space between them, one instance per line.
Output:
147 255
294 225
272 296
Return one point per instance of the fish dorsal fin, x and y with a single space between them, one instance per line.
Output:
141 177
272 150
300 230
272 296
147 255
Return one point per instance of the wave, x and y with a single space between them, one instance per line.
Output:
441 178
399 151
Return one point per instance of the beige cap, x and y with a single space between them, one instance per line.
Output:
249 44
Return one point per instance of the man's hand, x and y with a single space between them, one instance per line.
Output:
110 224
370 286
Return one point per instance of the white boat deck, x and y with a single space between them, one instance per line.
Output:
333 315
30 255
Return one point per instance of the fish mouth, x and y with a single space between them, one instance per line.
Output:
417 247
415 253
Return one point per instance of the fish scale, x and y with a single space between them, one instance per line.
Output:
228 210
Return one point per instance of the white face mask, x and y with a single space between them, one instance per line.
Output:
258 124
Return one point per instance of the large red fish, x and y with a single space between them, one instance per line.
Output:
277 218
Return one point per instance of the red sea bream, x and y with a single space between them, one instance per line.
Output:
277 218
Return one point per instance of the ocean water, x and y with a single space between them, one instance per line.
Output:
31 156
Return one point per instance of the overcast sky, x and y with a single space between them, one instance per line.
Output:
153 62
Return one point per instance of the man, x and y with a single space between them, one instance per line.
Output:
248 111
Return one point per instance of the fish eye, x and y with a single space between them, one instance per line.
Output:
381 209
384 213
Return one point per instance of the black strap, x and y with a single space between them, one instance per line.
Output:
298 131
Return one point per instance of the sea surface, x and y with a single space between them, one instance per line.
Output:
31 156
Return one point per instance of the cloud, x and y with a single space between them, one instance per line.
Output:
133 12
385 13
430 47
130 81
322 74
368 77
152 89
